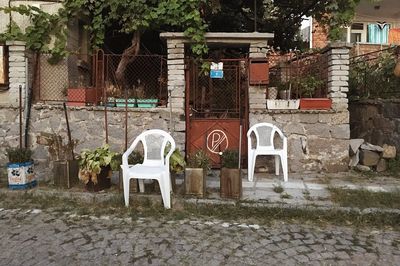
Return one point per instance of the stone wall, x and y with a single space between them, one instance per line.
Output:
317 140
376 121
87 126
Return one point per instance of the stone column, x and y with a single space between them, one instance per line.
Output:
176 86
257 99
338 74
17 71
176 74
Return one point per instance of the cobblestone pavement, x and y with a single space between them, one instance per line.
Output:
35 237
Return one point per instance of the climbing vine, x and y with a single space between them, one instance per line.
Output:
130 16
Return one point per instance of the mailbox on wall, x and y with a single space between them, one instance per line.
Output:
259 71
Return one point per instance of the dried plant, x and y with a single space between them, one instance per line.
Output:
57 149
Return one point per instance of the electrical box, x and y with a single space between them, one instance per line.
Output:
259 71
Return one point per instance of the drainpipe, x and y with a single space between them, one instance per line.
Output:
28 106
28 103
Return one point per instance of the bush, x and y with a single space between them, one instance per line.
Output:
230 159
374 78
19 155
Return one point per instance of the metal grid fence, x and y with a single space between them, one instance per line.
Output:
93 80
218 97
144 80
295 71
372 74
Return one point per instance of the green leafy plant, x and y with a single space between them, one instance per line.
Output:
308 85
373 78
230 159
134 158
394 166
199 159
177 162
19 155
129 17
278 188
91 162
282 85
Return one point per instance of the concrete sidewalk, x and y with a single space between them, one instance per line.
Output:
302 190
305 189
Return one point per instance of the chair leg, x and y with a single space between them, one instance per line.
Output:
253 166
141 185
276 164
284 167
170 182
126 190
165 192
249 167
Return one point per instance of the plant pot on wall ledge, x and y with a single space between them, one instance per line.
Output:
283 104
132 102
315 103
81 95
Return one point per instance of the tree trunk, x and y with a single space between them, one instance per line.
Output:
127 57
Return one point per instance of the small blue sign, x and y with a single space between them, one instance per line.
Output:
216 74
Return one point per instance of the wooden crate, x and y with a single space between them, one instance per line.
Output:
230 183
65 173
195 182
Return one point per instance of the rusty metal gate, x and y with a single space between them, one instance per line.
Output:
216 109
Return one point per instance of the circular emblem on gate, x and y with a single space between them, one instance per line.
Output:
217 141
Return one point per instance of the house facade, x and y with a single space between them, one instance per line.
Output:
376 26
201 111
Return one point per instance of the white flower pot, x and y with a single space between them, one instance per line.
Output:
283 104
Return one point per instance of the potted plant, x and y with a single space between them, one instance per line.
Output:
307 86
284 89
65 166
284 102
20 168
230 179
134 158
95 167
79 94
176 165
198 165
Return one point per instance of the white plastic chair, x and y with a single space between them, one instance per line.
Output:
264 133
155 165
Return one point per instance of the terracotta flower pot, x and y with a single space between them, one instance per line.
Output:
82 95
315 103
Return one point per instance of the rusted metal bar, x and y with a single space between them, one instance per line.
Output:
20 116
105 99
68 130
126 119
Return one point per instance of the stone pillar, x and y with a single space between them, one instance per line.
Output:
17 71
338 74
257 99
176 74
176 86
